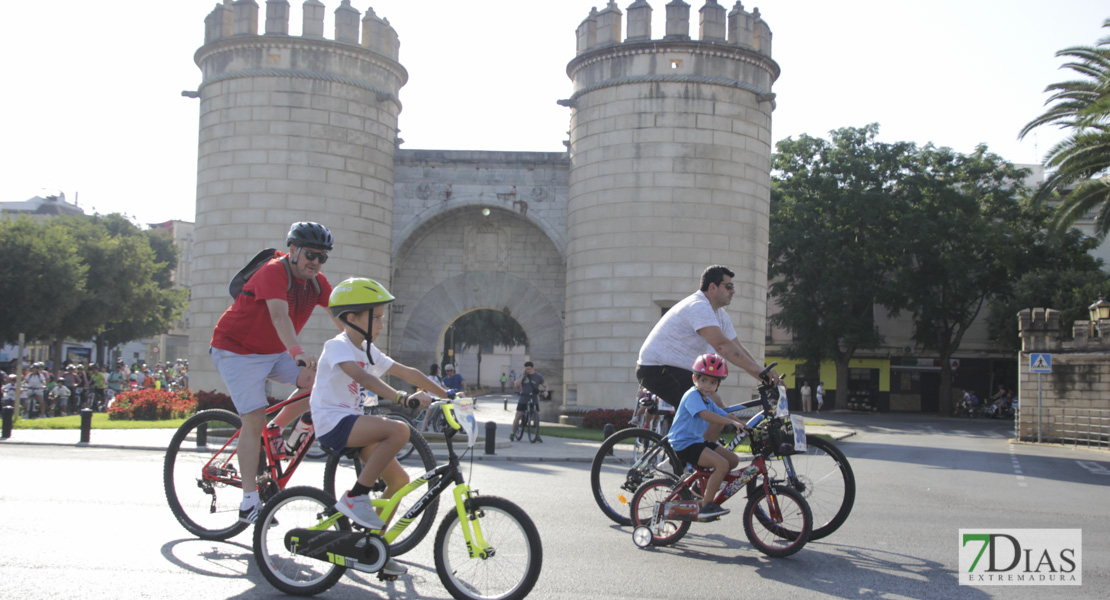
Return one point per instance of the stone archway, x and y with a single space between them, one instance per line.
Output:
419 340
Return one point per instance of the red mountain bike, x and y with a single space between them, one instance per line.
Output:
204 486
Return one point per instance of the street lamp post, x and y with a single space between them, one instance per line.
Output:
1098 311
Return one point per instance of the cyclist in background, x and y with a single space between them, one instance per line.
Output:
256 339
350 360
528 388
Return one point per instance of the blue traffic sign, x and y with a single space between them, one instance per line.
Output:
1040 363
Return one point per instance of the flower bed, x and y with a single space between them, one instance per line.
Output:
152 405
600 417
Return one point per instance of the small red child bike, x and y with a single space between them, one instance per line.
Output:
777 519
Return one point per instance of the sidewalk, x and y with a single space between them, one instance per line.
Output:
487 409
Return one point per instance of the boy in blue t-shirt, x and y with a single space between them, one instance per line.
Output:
687 436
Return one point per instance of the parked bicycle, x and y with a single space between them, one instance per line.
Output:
202 479
631 457
487 547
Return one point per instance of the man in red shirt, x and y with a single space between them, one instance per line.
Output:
256 340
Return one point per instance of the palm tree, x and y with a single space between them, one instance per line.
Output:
1082 159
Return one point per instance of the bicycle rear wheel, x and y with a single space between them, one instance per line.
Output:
201 475
624 461
295 508
645 503
508 571
341 472
409 448
825 479
533 419
782 537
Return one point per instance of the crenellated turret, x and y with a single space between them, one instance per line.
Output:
639 21
277 17
736 27
672 137
292 128
240 18
678 21
587 32
712 24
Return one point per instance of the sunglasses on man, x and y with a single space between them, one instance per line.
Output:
314 255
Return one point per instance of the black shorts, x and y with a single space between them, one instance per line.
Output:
669 383
690 454
522 404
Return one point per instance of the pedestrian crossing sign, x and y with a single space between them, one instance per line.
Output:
1040 363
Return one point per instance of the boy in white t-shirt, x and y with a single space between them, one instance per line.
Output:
349 360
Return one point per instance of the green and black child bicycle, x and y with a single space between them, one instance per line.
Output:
487 547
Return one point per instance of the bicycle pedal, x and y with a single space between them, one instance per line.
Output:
383 577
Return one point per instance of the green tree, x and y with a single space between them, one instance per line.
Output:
834 222
1083 158
42 278
483 327
964 242
1055 271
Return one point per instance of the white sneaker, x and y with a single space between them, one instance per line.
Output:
394 568
360 510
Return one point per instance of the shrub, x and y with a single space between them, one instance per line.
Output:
600 417
152 405
214 399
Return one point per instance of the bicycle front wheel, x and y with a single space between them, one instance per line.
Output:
533 420
624 461
778 524
341 472
645 503
507 569
825 480
295 508
201 475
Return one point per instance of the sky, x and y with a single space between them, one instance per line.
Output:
94 109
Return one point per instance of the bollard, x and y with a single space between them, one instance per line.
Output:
607 431
86 424
491 435
8 412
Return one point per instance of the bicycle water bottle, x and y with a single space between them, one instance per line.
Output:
300 432
273 438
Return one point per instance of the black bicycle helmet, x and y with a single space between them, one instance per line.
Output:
309 235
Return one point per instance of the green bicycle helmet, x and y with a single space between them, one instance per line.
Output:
356 295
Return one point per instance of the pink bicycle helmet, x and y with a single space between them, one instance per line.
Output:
712 365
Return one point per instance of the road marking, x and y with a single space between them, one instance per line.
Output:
1018 473
1093 467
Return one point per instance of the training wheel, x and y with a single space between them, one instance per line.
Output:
641 536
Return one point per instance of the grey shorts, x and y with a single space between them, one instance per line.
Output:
246 375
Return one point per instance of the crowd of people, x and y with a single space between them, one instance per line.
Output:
47 392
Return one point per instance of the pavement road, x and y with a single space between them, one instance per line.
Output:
92 522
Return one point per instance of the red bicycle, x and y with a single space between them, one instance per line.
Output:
204 486
777 518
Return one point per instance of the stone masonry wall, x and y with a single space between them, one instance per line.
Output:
291 129
670 148
1075 397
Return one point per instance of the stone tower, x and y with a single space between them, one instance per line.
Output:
670 160
292 128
